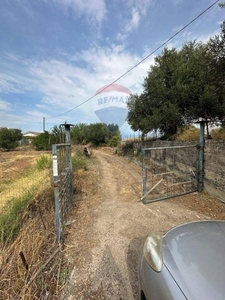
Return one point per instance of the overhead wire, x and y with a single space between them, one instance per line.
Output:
141 61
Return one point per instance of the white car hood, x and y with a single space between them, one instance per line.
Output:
194 254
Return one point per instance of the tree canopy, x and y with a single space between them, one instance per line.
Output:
182 86
9 138
42 141
95 133
78 133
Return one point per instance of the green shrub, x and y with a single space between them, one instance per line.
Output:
113 142
42 141
9 138
44 162
79 162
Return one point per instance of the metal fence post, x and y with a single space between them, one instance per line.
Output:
56 192
144 176
200 177
68 140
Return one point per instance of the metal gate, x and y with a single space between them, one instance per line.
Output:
168 172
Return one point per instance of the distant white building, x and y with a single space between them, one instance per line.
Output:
28 136
31 134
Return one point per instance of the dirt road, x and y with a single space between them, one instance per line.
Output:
104 242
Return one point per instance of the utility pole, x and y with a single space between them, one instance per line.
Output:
43 124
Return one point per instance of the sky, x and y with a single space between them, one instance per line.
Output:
55 54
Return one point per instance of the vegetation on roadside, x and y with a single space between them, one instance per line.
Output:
11 216
182 86
31 263
32 267
79 160
45 140
44 162
98 134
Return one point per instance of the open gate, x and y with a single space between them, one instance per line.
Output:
169 172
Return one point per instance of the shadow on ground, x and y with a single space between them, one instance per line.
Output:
133 255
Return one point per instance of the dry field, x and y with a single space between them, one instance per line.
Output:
31 265
19 174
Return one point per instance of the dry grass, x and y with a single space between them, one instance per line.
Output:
218 134
188 133
41 274
30 259
19 174
32 264
19 187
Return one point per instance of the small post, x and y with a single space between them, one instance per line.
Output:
144 177
56 192
68 140
201 146
67 132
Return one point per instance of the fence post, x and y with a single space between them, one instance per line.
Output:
68 140
144 176
200 176
56 192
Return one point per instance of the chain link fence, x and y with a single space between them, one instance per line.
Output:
24 176
22 173
63 184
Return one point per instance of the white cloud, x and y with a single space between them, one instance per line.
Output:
13 83
176 2
5 106
205 38
121 37
141 5
94 11
62 85
13 75
135 11
134 22
107 66
65 86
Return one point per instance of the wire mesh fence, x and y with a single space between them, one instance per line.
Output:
63 184
168 172
23 176
22 173
27 227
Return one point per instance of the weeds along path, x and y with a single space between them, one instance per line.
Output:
110 225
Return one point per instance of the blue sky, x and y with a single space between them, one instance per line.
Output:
55 54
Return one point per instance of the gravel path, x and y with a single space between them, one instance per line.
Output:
104 242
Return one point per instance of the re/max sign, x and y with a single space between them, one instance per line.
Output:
113 99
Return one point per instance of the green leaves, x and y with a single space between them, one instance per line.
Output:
42 141
9 138
96 133
182 86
